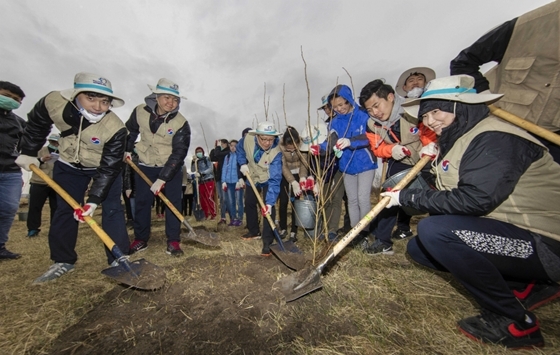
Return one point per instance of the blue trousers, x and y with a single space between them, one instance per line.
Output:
144 199
10 192
63 233
234 200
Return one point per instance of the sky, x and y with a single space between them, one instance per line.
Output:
238 62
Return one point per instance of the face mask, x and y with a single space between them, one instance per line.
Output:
91 117
7 103
199 155
415 93
53 147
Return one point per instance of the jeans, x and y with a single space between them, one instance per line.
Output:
10 190
222 200
234 199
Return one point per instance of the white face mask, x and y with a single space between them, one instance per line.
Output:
91 117
415 93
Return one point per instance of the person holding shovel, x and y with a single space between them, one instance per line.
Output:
204 173
494 217
259 156
165 136
91 148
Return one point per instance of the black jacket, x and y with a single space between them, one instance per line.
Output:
11 130
38 127
218 155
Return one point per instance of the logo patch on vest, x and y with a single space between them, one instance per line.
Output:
414 130
445 165
170 131
95 140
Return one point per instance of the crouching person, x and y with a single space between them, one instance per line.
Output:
91 146
260 157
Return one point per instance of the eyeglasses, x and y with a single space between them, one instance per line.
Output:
269 140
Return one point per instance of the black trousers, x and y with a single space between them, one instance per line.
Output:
285 196
38 194
252 209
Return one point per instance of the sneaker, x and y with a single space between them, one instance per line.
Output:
137 245
174 249
222 221
283 233
377 248
401 234
360 242
5 254
232 223
249 236
54 272
238 223
537 295
293 237
33 233
333 237
490 327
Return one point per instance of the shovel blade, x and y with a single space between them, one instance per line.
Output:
202 237
290 258
139 274
199 214
299 283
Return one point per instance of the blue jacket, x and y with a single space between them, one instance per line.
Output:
275 168
357 158
230 169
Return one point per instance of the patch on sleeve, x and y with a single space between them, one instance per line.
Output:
495 244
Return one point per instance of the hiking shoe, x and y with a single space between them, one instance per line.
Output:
137 245
266 251
249 236
5 254
333 237
490 327
537 295
378 248
401 234
174 249
33 232
54 272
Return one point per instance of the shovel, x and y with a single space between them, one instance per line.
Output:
202 237
308 280
139 274
198 212
287 252
526 125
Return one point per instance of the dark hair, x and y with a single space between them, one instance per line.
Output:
225 141
13 88
415 74
291 137
234 141
377 87
96 94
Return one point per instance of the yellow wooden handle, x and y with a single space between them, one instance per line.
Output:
261 202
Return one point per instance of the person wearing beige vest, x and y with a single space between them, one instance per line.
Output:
494 217
91 146
39 191
526 49
259 155
165 136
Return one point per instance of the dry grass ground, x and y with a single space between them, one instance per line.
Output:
368 305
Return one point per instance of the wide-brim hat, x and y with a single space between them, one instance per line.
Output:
428 73
87 82
166 86
265 129
459 88
324 102
318 135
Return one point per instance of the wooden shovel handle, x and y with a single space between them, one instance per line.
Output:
526 125
261 202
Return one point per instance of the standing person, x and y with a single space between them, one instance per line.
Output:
204 172
259 155
526 49
11 130
39 191
165 136
494 219
218 155
91 146
233 185
401 140
293 180
188 193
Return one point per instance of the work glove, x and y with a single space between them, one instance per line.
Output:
244 169
128 193
309 183
224 186
194 158
342 143
399 152
314 149
302 181
266 210
394 195
241 184
430 150
316 190
295 188
157 186
197 174
337 152
87 210
127 155
23 161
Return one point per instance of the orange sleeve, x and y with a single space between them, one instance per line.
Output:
427 136
381 150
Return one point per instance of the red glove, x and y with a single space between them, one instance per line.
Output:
314 149
266 210
309 183
302 181
87 210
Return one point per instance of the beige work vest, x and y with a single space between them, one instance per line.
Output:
410 136
155 148
259 171
529 73
47 168
533 204
85 148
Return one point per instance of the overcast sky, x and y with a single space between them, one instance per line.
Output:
222 53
